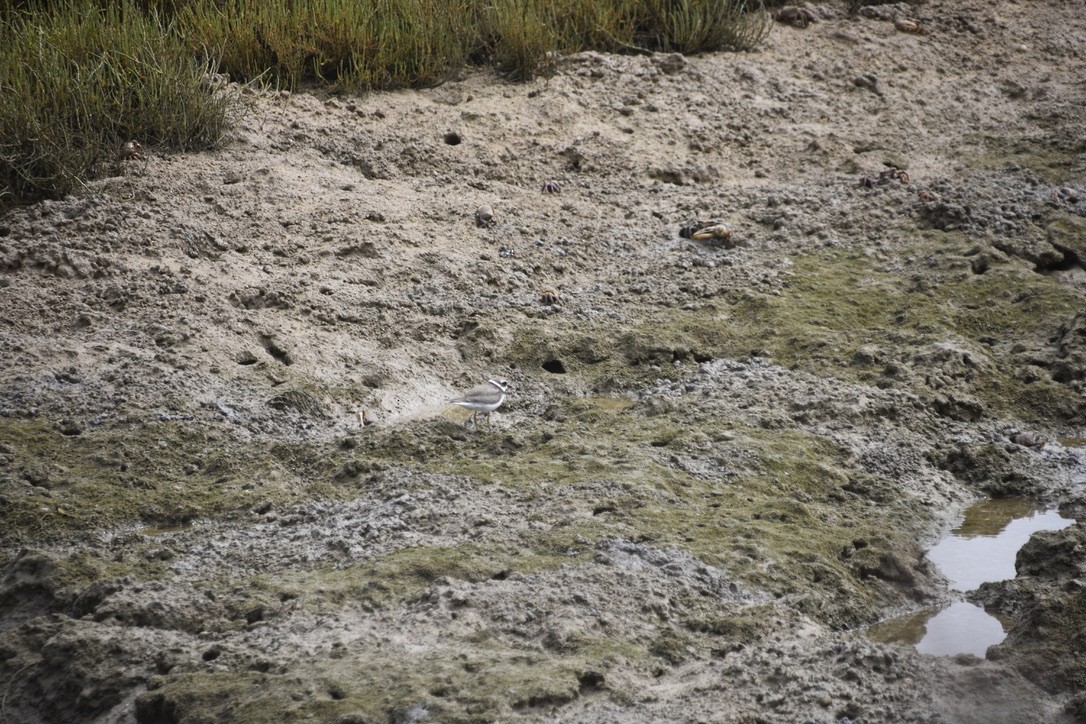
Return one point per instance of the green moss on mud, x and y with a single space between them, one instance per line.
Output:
833 305
379 683
1055 160
770 507
158 473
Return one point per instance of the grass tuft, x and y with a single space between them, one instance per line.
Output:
344 43
699 26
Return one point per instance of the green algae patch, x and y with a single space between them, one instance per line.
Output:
157 473
1055 160
81 568
370 681
779 509
857 317
748 626
836 306
617 360
672 646
405 575
1068 234
216 696
786 525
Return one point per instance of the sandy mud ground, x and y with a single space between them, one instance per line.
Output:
720 459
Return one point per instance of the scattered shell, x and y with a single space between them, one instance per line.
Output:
709 231
893 173
1065 194
688 230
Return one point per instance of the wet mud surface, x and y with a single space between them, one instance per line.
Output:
719 460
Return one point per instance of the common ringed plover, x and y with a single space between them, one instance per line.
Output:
485 398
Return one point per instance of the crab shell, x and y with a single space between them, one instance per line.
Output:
549 296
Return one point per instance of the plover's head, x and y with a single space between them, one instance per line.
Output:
500 382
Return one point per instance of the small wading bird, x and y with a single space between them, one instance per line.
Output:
485 398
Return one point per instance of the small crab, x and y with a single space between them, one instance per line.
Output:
1030 440
131 151
893 173
927 195
716 231
1064 195
869 182
551 187
792 15
484 216
908 25
550 297
688 230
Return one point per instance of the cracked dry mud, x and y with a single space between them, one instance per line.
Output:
716 466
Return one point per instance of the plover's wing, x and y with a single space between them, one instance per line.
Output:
485 394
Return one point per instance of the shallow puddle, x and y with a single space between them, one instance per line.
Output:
157 530
984 546
960 628
981 549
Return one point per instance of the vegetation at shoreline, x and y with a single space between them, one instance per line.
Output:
82 78
81 81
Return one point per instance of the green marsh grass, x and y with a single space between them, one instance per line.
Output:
698 26
348 44
79 78
79 81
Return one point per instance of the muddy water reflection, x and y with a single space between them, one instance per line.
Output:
984 546
154 531
960 628
981 549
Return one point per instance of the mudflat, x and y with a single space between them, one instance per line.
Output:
719 458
